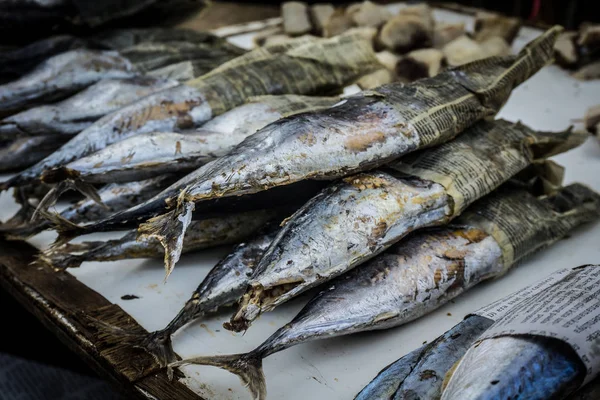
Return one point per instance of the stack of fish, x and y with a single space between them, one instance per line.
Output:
396 199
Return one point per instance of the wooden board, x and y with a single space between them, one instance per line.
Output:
72 311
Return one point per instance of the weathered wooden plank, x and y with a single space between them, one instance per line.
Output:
69 309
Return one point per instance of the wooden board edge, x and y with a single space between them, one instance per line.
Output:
31 285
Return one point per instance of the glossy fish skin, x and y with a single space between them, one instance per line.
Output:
189 105
223 286
16 62
147 56
115 197
362 132
416 276
420 373
146 155
380 208
206 233
533 368
164 105
78 112
339 228
24 152
62 75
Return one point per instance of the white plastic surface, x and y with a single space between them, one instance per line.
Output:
338 368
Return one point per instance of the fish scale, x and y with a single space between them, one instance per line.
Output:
413 278
424 189
362 132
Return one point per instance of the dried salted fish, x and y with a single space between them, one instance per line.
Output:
78 112
353 220
222 286
155 153
206 233
62 75
301 66
408 281
24 152
360 133
16 62
420 372
147 155
364 132
540 363
532 368
113 198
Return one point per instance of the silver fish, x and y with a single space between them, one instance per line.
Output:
23 152
222 286
533 368
62 75
318 66
15 63
362 132
78 112
359 217
146 155
151 154
419 374
113 197
422 273
206 233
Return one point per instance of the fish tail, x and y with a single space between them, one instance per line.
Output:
54 194
492 79
247 366
169 229
66 229
548 144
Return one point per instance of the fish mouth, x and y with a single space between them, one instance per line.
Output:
258 300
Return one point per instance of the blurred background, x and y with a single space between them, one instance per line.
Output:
22 21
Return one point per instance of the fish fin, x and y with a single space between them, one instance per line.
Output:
169 229
50 198
54 194
60 260
247 366
66 229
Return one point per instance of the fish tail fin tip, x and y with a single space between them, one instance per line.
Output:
54 194
169 229
247 366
